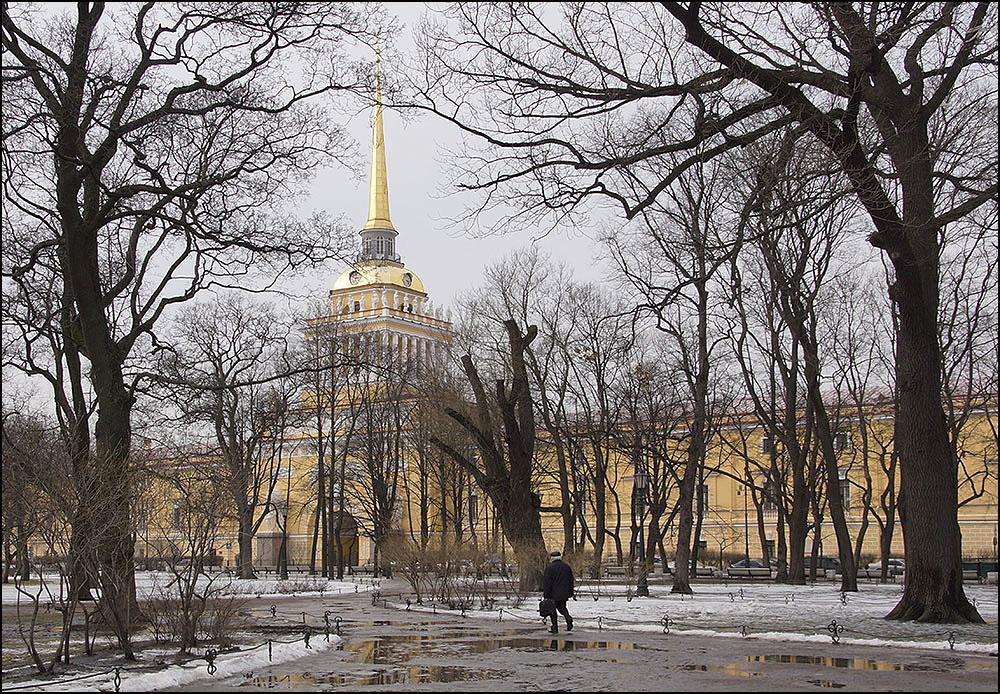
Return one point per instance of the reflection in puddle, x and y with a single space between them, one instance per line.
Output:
722 669
945 664
827 683
826 661
389 650
415 674
390 655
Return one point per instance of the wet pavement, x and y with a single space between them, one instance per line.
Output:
390 649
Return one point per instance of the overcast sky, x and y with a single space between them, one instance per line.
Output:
448 260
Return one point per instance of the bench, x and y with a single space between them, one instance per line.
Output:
748 572
615 570
972 575
876 574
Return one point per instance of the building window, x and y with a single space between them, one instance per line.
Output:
357 306
770 548
702 499
765 445
841 441
769 497
845 490
177 516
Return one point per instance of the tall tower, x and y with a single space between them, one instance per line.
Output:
378 302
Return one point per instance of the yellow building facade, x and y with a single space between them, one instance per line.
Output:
378 305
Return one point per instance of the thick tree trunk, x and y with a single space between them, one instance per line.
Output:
112 514
245 542
522 527
23 565
798 528
928 474
82 557
685 522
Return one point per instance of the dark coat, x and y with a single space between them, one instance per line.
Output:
558 581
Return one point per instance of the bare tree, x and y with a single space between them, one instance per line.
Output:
601 351
506 472
184 507
40 502
383 400
153 147
902 98
671 260
800 221
228 373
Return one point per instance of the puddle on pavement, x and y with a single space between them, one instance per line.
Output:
827 683
389 650
392 653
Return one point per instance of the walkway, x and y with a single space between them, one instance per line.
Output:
388 649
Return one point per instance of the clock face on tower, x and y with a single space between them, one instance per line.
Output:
407 279
355 277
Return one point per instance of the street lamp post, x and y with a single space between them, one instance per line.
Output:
473 515
283 555
284 524
746 523
641 484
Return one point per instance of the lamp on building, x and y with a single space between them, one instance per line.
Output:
641 483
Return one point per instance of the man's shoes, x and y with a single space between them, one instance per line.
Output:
554 630
569 624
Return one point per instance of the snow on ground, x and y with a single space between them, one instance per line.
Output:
153 583
766 611
149 583
226 664
762 611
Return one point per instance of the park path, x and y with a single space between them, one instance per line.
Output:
392 649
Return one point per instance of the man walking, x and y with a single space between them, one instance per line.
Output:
558 585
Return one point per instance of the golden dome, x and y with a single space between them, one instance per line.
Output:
367 274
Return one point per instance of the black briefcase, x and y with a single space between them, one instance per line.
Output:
547 607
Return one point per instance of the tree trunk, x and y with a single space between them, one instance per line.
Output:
928 474
798 526
600 525
245 542
112 513
685 522
522 528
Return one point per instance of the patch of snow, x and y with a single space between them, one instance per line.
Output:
227 665
765 611
148 583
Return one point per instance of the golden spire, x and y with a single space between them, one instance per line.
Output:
378 192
